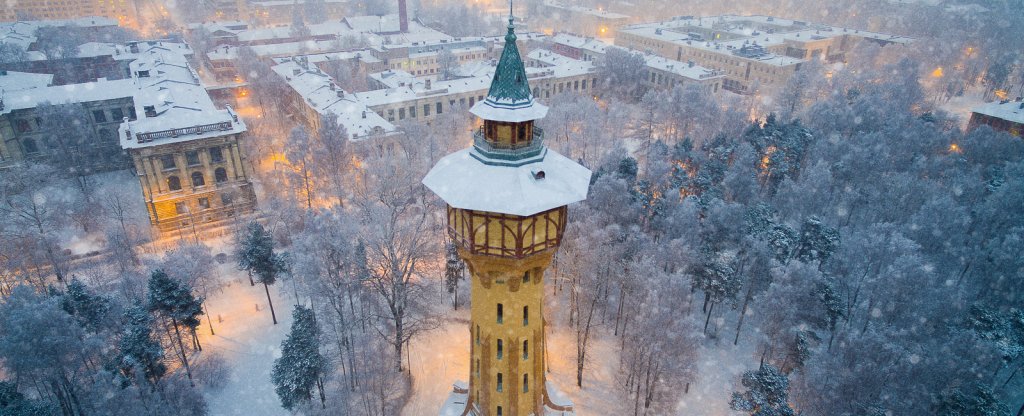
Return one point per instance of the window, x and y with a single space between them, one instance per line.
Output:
526 315
526 277
499 387
143 74
220 175
192 158
426 110
216 155
30 146
149 110
478 334
99 116
501 349
391 115
472 100
197 179
116 114
401 113
204 203
526 349
501 313
23 126
180 208
526 383
499 407
439 110
225 199
167 162
478 367
412 111
173 183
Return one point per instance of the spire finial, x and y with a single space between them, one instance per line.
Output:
511 35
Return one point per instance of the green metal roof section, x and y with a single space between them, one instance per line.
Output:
509 88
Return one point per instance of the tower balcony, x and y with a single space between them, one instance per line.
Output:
509 151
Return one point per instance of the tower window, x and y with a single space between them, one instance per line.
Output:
526 384
501 350
526 315
526 277
478 368
501 313
526 349
478 334
499 410
499 383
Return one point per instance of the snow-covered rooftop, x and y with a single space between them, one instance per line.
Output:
463 181
1006 110
604 14
14 81
580 42
322 94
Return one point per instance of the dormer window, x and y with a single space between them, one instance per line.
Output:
143 74
150 110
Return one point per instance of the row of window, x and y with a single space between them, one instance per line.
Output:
167 162
220 175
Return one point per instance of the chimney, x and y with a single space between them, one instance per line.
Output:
364 113
403 17
341 93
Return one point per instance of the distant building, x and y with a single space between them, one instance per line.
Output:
660 72
585 20
122 11
1005 116
185 151
752 51
107 103
281 11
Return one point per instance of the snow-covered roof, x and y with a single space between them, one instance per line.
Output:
14 81
1007 110
509 98
464 181
321 93
683 69
580 42
604 14
99 90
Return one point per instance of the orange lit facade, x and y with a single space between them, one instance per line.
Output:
121 10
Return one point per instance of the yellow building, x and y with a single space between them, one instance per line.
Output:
507 202
122 10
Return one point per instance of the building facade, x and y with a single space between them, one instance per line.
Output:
507 210
121 10
752 52
1004 115
186 152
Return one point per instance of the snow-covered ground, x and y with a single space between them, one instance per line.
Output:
248 341
439 358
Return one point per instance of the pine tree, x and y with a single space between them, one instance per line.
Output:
91 310
13 403
978 401
138 348
767 393
256 256
301 366
817 241
174 300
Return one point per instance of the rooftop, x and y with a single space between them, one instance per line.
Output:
14 81
509 98
325 97
1006 110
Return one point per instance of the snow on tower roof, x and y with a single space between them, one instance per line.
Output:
509 98
464 181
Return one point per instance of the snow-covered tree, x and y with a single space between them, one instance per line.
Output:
139 350
301 366
767 393
256 256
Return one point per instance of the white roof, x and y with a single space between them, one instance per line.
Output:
464 182
64 94
1010 110
489 110
14 81
320 93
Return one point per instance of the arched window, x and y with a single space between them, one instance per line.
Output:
526 315
220 175
526 349
526 277
197 179
501 349
173 183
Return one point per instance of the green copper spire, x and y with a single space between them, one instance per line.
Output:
509 88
